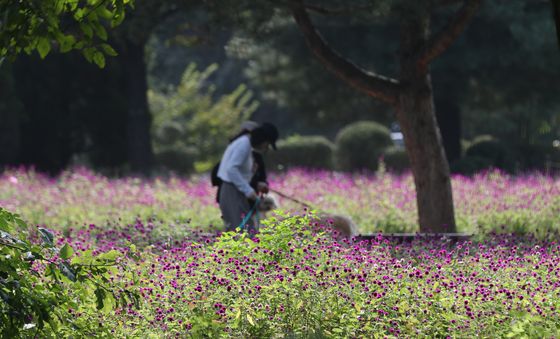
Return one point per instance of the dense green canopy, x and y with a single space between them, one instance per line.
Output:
43 25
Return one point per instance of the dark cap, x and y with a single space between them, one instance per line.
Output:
265 132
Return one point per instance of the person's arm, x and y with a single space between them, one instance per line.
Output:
239 157
259 181
261 168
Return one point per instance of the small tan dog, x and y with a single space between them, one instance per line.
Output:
342 224
266 204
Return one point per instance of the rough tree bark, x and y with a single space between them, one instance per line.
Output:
412 97
416 115
131 39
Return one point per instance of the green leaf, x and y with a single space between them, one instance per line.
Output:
99 297
78 12
100 31
66 251
80 45
28 49
66 42
250 319
118 15
107 49
99 59
43 47
105 13
88 53
111 255
86 28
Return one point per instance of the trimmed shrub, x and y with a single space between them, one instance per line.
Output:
302 151
360 144
534 157
179 159
470 165
396 159
494 151
466 143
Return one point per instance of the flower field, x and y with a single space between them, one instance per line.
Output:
376 203
293 280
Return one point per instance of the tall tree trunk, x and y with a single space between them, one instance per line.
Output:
9 116
412 96
139 142
556 14
416 115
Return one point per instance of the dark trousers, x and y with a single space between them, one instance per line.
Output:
234 207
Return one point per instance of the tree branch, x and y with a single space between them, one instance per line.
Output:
377 86
444 38
443 3
329 11
556 13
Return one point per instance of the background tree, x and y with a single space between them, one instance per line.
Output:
10 111
556 13
192 125
317 101
64 118
414 55
410 92
467 79
69 25
130 40
64 25
27 26
478 88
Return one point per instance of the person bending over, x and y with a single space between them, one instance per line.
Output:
236 169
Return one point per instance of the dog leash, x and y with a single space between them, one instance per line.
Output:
292 199
248 215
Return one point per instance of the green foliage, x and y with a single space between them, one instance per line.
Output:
495 151
297 83
177 158
288 281
360 144
43 287
396 159
302 151
278 235
525 109
534 156
486 151
190 116
470 75
40 26
470 165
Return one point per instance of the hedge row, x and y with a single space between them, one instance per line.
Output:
358 146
